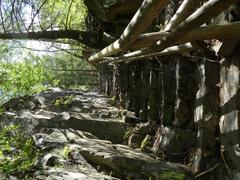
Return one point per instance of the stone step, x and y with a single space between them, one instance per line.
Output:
120 159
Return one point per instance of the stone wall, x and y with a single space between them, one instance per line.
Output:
193 102
187 99
230 109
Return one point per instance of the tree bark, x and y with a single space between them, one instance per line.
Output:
185 10
87 38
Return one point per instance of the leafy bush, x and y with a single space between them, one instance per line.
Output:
64 101
36 74
18 152
23 78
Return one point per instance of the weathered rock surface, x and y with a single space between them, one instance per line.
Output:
230 105
78 134
121 160
76 110
175 140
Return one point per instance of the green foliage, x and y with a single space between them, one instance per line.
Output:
18 152
128 133
64 101
68 14
50 14
173 176
65 68
2 110
65 152
145 142
113 100
35 74
23 77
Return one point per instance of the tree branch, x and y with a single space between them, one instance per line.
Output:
71 34
38 10
1 14
69 9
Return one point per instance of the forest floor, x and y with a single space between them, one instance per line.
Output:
82 136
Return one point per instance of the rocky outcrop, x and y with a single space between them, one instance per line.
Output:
80 136
66 110
121 160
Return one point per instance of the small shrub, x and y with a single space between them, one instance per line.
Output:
18 152
128 133
64 101
66 151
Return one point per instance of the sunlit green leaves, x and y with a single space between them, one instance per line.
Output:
36 15
68 14
18 152
35 74
23 77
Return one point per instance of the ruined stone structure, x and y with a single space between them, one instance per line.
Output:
193 98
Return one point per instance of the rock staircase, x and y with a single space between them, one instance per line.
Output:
82 137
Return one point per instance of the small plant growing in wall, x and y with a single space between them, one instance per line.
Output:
113 100
128 133
66 151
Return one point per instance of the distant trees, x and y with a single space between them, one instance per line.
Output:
35 74
47 20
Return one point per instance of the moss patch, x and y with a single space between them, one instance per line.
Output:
172 176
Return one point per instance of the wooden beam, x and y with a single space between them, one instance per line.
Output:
220 32
209 10
184 11
148 39
143 18
139 23
183 48
112 49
